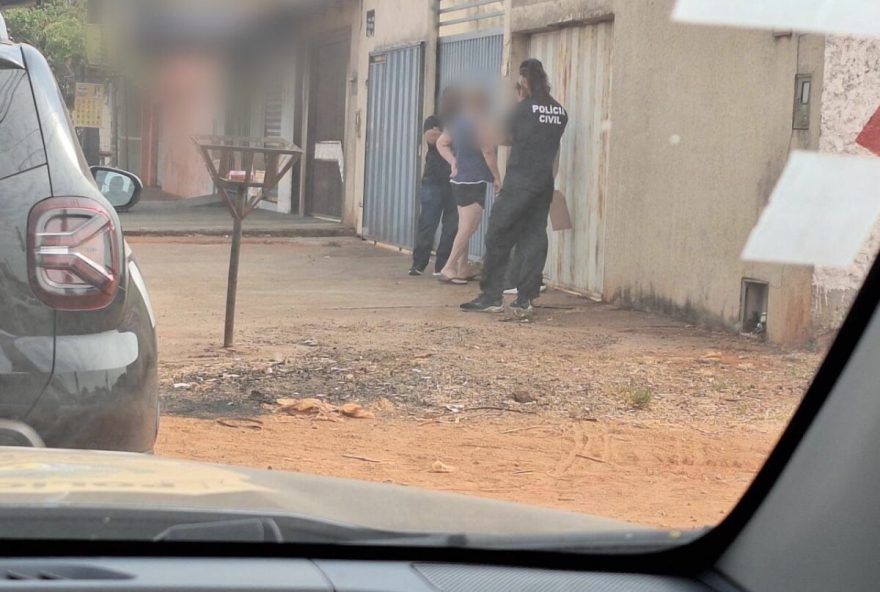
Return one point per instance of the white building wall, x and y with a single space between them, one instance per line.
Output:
850 96
398 23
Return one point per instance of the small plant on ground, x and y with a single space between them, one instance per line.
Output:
638 397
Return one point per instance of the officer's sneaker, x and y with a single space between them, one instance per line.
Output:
522 308
415 271
483 304
515 292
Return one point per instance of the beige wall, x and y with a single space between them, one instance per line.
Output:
700 131
851 95
398 23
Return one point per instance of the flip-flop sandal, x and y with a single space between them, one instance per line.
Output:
458 281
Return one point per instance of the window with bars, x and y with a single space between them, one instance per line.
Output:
272 112
470 16
273 107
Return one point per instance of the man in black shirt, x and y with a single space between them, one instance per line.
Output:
435 196
519 216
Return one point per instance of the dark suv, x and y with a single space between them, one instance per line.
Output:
77 333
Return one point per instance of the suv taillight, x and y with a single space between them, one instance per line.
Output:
74 253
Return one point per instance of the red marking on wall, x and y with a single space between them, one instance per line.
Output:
870 136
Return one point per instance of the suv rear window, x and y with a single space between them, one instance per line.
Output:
21 144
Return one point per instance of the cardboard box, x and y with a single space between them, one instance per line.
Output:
560 218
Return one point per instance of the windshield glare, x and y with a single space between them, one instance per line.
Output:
391 272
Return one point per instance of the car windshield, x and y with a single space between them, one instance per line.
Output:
393 272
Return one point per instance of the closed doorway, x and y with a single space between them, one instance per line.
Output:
394 140
326 131
578 63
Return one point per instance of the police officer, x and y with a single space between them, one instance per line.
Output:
519 216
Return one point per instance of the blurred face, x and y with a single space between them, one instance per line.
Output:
478 102
448 103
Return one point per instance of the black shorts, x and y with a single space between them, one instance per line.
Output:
469 193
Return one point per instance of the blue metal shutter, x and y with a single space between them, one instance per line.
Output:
394 138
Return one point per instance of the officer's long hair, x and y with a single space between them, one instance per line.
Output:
533 71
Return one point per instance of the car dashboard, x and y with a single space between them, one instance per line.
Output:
302 575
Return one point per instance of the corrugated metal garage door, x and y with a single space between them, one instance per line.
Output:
472 56
469 55
394 138
578 62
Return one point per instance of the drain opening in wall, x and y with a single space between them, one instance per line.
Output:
755 294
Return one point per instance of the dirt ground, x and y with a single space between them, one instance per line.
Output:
588 408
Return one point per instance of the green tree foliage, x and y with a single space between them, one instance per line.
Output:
57 29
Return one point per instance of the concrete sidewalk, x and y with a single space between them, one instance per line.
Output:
207 216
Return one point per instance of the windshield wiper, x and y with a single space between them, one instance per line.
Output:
632 541
267 530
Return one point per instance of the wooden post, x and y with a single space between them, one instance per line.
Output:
279 156
232 283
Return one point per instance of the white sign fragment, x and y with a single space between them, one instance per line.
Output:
820 213
859 18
